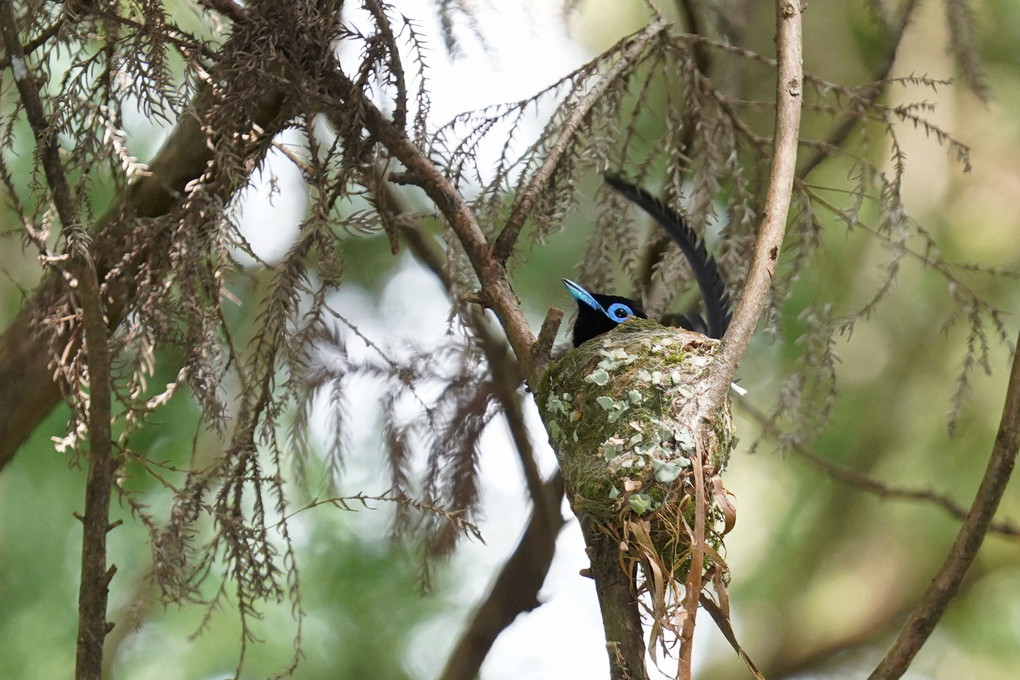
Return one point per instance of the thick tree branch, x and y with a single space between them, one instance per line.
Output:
514 591
702 58
28 389
759 281
968 540
35 43
621 615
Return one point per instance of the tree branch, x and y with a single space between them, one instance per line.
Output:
28 389
624 66
968 540
514 591
789 88
621 616
496 292
95 579
850 476
505 373
789 100
516 588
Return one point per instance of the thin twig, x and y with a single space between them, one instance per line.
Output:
546 337
839 134
395 495
623 67
506 380
848 475
946 583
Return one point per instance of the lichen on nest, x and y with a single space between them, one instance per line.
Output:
622 414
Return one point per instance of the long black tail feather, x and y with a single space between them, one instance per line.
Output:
706 272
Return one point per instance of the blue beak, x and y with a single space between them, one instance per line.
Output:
582 295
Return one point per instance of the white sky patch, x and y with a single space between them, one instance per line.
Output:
524 48
272 207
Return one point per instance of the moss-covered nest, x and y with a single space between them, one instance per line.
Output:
622 414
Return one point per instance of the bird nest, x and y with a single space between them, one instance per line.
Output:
622 411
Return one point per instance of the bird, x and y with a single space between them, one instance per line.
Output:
599 313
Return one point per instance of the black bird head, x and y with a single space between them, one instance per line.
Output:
598 314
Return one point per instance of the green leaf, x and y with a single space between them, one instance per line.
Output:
640 503
684 439
668 472
554 430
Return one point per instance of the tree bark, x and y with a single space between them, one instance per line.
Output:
29 388
621 615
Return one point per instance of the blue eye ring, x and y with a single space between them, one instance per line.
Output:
619 312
